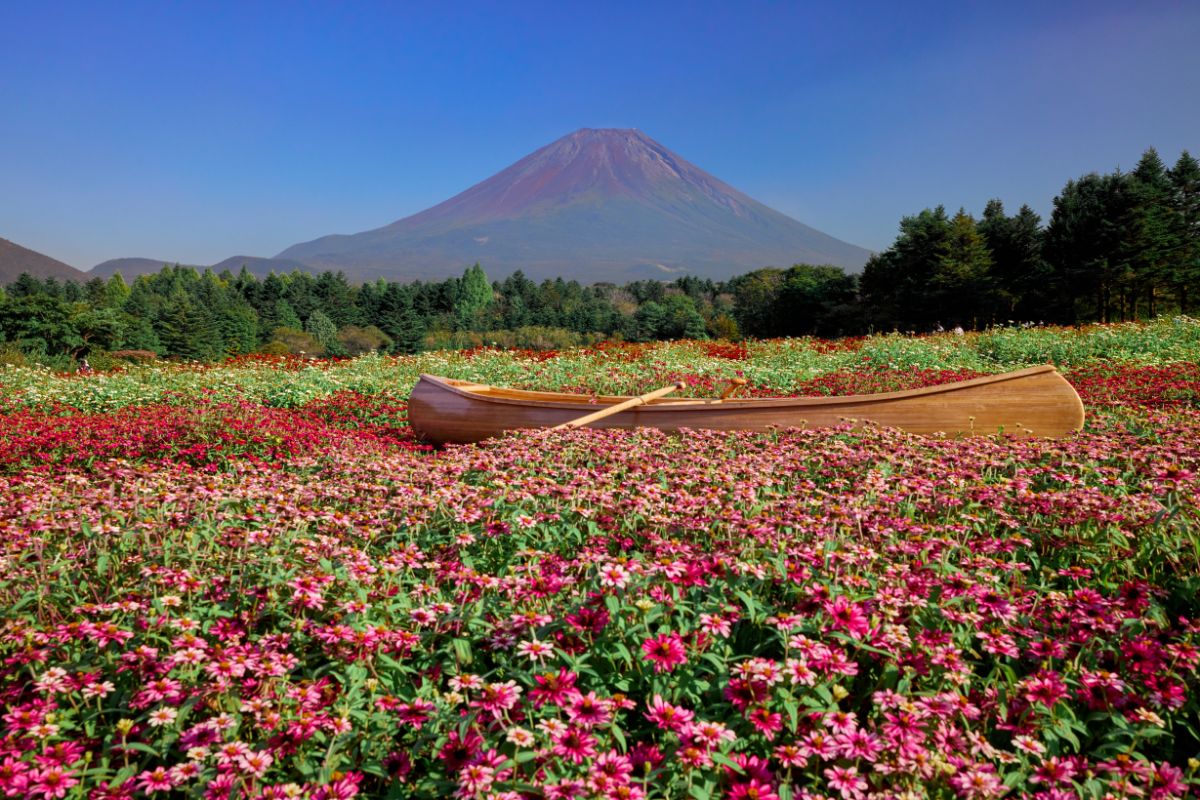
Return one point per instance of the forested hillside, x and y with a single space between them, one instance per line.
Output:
1117 246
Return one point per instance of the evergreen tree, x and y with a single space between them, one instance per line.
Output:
816 300
397 318
188 329
961 279
26 286
896 283
650 321
1020 273
97 328
237 324
1184 262
40 323
474 299
1084 248
680 319
1150 240
321 327
284 316
754 304
335 296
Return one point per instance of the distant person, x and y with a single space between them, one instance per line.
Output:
84 367
958 331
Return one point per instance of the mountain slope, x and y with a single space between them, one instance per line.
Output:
259 266
595 205
15 259
129 268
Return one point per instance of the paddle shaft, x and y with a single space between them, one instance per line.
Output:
734 385
619 407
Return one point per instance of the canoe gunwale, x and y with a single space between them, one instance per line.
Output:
527 398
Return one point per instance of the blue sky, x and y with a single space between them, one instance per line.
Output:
195 131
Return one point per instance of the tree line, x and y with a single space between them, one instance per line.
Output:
1117 246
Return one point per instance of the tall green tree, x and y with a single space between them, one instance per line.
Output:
1150 238
321 327
961 277
474 298
896 283
1020 273
754 301
1084 247
1184 262
815 300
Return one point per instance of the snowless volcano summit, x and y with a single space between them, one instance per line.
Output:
596 205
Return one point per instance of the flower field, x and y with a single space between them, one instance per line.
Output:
249 580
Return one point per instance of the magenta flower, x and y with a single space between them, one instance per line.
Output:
667 716
846 781
664 651
848 616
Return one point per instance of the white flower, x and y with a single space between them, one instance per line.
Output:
162 716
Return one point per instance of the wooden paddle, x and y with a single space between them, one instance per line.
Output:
608 412
734 385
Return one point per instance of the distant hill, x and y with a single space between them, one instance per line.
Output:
260 266
129 268
15 259
596 205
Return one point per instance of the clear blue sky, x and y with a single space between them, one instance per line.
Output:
195 131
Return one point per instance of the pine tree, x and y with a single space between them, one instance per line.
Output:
321 327
237 323
474 298
1085 247
962 280
285 316
1150 239
334 295
896 283
188 329
1184 262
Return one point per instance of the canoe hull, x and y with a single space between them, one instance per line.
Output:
1031 402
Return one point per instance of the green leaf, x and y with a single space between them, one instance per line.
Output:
726 761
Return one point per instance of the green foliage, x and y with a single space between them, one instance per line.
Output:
1119 246
355 340
320 327
474 298
293 341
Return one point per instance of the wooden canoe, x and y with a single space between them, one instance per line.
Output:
1029 402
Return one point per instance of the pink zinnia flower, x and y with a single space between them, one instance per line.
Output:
574 744
848 616
51 782
667 716
753 790
1046 688
475 778
155 780
612 768
768 722
589 711
664 651
847 781
498 697
554 688
708 734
